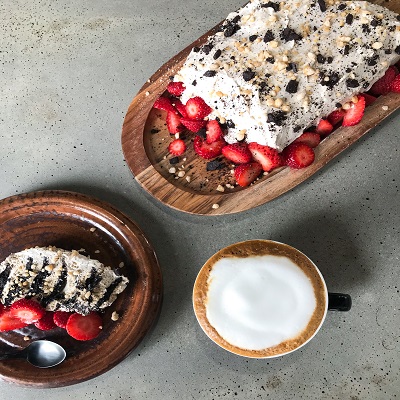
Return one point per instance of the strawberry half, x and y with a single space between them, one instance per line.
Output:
180 107
336 116
177 147
27 310
368 98
213 131
298 155
355 113
312 139
196 108
84 327
395 87
268 157
324 127
174 124
9 322
193 125
238 153
245 174
164 103
46 322
60 318
208 150
383 85
176 88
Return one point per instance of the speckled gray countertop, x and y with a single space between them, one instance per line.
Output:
68 72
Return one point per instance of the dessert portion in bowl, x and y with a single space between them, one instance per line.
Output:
51 287
277 78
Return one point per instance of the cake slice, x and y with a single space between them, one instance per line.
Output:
60 280
276 68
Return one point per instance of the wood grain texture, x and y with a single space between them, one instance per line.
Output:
74 221
145 139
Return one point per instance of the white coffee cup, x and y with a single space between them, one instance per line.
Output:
262 299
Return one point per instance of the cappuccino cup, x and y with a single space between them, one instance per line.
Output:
262 299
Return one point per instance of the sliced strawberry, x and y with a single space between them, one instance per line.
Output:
213 131
245 174
312 139
324 127
395 87
180 107
84 327
237 153
176 88
298 155
27 310
174 124
164 103
46 322
208 150
60 318
383 85
336 116
9 322
193 125
177 147
355 113
368 99
268 157
196 108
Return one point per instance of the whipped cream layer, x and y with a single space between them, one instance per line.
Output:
59 279
277 68
258 302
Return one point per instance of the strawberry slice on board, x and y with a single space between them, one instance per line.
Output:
164 103
368 98
46 323
208 150
336 116
268 157
193 125
383 85
196 108
324 127
174 124
395 87
213 131
60 318
298 155
177 147
180 107
312 139
9 322
176 88
84 327
27 310
238 153
245 174
355 113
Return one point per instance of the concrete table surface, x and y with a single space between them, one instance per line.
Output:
68 72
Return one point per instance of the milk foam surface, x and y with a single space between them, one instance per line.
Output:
259 302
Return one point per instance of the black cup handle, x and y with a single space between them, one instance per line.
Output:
339 302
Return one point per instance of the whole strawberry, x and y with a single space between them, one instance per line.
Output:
396 84
384 85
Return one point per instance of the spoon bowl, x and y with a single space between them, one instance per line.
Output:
40 353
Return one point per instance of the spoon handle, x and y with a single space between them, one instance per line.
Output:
17 354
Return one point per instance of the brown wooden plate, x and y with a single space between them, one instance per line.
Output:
75 221
145 140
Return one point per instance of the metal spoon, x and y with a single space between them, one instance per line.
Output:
40 353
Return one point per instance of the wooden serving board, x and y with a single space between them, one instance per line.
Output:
145 140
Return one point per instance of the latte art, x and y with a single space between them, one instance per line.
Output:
260 298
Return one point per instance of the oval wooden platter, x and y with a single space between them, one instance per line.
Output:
145 140
74 221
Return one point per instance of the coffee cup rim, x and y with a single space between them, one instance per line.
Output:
249 353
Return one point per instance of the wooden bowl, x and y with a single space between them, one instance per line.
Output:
145 140
75 221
